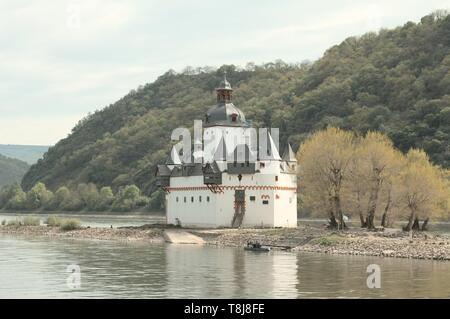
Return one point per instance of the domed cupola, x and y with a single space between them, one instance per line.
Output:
224 113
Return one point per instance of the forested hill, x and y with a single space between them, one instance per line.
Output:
396 81
11 170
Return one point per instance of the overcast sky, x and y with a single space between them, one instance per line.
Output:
61 59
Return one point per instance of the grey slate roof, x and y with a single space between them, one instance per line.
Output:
163 170
221 114
221 151
289 155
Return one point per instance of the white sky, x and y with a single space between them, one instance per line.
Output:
60 60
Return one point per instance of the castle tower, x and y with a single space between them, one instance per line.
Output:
236 184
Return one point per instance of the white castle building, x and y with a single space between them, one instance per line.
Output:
230 182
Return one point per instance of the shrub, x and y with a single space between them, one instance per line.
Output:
327 240
53 221
70 224
31 221
15 222
3 222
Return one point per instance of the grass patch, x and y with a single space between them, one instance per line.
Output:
70 224
25 221
31 221
14 222
329 240
53 221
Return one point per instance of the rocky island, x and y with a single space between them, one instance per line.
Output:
304 238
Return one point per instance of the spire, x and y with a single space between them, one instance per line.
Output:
224 91
271 152
289 155
174 158
221 151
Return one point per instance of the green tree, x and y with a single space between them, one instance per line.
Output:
8 192
38 196
127 198
17 201
106 198
89 195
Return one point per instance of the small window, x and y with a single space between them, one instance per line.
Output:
276 178
263 165
234 164
207 199
247 164
177 199
290 200
192 199
242 164
200 199
252 198
233 117
265 202
185 199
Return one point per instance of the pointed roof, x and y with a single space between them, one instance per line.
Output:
174 158
163 170
221 151
243 153
289 155
224 84
211 168
272 151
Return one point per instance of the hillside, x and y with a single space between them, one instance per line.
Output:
26 153
11 170
396 81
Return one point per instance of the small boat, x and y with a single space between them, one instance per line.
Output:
256 247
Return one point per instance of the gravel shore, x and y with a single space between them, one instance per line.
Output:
387 243
125 234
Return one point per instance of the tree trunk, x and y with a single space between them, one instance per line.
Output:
363 220
416 225
332 223
412 216
384 218
338 210
373 205
425 224
361 214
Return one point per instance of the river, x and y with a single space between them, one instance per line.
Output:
37 268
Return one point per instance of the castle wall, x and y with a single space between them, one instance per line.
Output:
270 201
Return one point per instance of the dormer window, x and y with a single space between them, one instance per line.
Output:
234 117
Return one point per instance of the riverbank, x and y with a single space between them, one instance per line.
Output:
98 233
305 238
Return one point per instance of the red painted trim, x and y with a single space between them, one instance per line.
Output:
201 188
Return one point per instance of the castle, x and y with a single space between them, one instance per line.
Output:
230 182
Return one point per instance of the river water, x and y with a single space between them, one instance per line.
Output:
37 268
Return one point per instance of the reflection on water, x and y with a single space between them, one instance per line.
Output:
195 271
37 268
